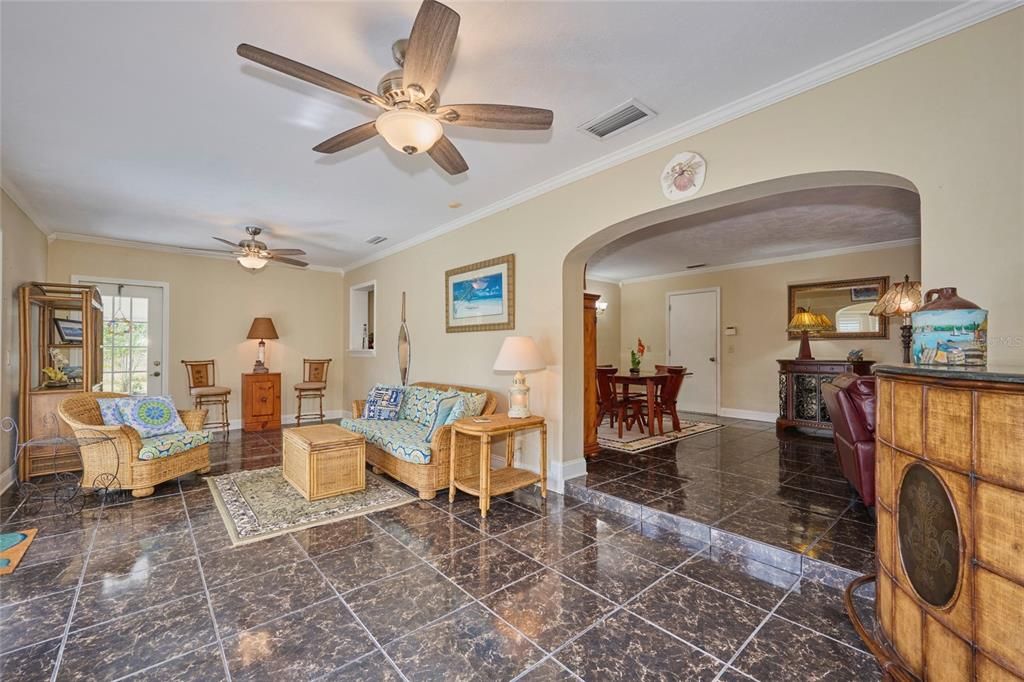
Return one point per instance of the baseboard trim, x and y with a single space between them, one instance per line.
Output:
560 472
752 415
7 479
288 420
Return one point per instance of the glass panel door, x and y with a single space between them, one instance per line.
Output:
132 338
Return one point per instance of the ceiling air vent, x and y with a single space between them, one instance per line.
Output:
622 117
376 239
696 265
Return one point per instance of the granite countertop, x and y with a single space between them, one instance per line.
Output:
1013 374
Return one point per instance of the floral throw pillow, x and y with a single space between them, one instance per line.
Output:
445 405
109 411
383 402
150 415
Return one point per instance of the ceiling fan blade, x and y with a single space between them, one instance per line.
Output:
431 43
233 245
501 116
349 138
307 73
289 261
196 248
286 252
448 157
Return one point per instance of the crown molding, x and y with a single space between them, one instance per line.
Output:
810 255
160 248
22 202
933 28
606 280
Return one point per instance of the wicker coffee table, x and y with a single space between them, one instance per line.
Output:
324 460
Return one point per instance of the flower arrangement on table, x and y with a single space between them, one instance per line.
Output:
636 356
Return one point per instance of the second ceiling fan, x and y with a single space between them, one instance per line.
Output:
413 115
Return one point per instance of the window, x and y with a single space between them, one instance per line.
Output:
856 318
361 316
125 344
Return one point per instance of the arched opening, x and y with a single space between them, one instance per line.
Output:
574 267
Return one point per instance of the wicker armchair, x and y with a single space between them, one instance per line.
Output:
427 479
120 454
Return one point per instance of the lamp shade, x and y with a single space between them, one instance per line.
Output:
806 321
902 298
519 354
262 328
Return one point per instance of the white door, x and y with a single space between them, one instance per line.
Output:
693 342
133 337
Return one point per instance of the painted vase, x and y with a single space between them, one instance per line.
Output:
949 330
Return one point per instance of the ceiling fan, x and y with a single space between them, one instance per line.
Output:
413 114
254 255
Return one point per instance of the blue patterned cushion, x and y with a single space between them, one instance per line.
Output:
471 405
109 411
403 438
150 415
445 405
172 443
383 403
420 404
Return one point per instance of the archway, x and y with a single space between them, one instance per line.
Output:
575 261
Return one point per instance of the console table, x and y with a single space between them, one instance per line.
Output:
800 401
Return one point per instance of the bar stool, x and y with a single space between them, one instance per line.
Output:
313 385
202 377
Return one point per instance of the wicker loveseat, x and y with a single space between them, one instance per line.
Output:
120 454
429 477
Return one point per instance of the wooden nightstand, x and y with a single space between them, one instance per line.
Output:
261 401
488 482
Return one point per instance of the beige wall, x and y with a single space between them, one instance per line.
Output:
755 300
609 327
946 116
213 302
24 260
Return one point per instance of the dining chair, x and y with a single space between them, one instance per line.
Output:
623 409
202 386
668 395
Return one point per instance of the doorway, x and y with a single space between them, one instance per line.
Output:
692 329
135 328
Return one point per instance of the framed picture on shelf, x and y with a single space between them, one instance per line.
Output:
481 297
69 331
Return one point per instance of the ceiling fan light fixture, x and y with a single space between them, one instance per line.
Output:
408 130
252 262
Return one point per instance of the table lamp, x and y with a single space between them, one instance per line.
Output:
805 321
902 298
519 354
262 328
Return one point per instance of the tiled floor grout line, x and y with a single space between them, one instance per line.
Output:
473 599
206 589
74 602
348 608
750 637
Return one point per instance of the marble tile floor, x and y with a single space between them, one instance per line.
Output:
781 500
542 590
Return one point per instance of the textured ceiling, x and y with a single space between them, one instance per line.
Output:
778 226
137 120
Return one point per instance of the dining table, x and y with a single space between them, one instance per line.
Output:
652 381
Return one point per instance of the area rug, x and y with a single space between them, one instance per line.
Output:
638 440
260 504
13 547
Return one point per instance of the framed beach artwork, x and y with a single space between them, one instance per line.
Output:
481 297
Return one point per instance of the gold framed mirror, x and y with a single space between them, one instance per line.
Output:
847 304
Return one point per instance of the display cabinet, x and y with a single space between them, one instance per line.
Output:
800 401
60 353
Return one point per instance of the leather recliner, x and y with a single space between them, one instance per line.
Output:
851 405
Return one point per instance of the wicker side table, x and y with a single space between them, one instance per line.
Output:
323 460
487 482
